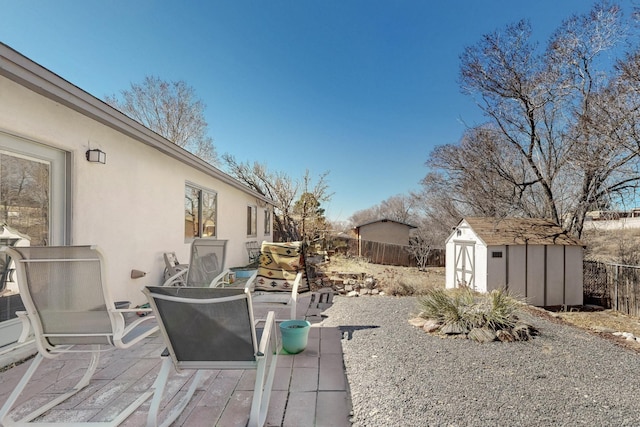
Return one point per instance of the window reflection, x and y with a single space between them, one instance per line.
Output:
252 221
24 218
24 197
208 214
200 208
191 203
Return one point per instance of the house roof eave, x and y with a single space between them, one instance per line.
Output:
18 68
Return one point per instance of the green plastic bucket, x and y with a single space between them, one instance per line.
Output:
294 335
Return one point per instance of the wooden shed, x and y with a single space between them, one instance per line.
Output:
385 241
533 259
385 231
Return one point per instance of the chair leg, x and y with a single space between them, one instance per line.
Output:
264 376
4 419
159 386
84 381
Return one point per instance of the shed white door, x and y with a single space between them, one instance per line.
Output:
465 264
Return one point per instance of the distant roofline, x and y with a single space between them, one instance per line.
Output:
384 220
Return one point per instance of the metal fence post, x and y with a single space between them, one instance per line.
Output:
615 283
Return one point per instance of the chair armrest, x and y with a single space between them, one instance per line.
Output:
26 326
129 332
296 285
221 279
269 334
250 285
174 277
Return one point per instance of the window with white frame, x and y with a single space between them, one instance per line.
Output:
252 220
267 221
200 208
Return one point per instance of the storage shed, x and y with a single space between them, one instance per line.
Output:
385 231
533 259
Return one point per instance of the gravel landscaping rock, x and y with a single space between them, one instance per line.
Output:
401 376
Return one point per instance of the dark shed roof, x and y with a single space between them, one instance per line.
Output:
520 231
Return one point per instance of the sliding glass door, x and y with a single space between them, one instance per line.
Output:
33 211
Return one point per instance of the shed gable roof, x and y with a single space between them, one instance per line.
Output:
519 231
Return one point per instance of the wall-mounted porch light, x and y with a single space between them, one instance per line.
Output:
96 156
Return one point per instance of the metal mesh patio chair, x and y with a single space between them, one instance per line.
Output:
253 249
280 277
70 309
172 267
206 265
212 328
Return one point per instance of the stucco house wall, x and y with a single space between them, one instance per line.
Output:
132 207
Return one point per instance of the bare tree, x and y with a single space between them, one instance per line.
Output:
423 242
24 196
364 216
308 210
484 176
399 208
283 190
548 149
170 109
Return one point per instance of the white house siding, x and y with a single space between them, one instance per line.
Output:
132 207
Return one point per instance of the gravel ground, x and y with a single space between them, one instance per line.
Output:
401 376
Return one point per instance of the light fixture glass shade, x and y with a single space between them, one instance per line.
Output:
97 156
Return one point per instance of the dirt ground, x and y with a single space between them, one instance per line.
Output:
402 281
399 281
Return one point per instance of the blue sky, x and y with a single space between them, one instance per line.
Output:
363 89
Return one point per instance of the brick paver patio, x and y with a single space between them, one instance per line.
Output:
310 388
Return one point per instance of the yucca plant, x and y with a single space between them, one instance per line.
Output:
449 306
502 314
467 309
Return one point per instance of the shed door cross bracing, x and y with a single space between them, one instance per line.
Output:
465 264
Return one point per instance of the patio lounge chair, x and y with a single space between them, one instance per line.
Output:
280 277
253 249
173 267
206 265
212 328
70 310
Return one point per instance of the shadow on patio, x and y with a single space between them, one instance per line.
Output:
310 388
